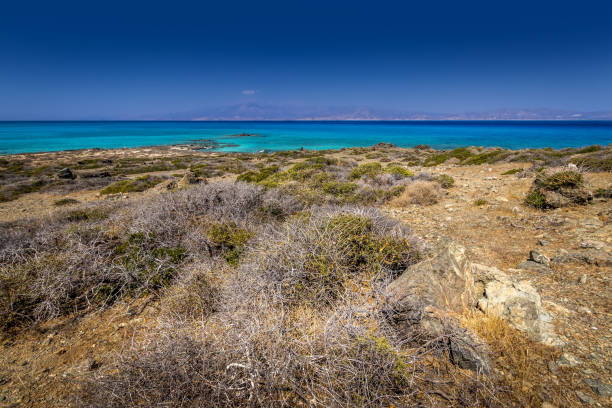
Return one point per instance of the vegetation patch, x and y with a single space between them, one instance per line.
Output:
445 180
136 185
229 239
370 170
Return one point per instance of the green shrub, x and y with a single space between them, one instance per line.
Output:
154 266
436 159
562 179
230 239
536 199
445 180
338 188
65 201
460 153
488 157
136 185
398 170
480 202
590 149
367 169
511 171
257 176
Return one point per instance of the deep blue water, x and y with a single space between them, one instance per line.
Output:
20 137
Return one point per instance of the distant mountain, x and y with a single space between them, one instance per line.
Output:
258 111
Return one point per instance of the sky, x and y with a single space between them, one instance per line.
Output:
150 59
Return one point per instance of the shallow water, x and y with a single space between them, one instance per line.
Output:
21 137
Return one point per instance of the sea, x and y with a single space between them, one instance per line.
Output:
27 137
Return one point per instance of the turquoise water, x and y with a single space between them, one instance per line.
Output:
21 137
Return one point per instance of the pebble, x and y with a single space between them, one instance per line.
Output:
543 242
584 398
582 279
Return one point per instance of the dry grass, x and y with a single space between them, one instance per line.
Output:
420 193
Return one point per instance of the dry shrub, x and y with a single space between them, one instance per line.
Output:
95 255
419 192
310 258
524 361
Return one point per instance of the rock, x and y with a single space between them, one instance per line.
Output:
517 302
592 244
598 257
444 281
548 405
591 222
425 298
66 174
601 388
502 199
568 360
534 266
582 279
584 398
189 178
543 242
470 352
535 256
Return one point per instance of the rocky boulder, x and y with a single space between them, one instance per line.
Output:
66 174
427 298
517 302
188 179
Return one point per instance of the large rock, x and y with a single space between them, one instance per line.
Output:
427 298
66 174
444 281
188 179
517 302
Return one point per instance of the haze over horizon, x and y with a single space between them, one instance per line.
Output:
71 60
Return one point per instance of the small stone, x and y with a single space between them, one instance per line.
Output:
582 279
548 405
502 199
584 398
535 256
66 174
543 242
592 244
568 360
601 388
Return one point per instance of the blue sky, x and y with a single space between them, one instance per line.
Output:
132 59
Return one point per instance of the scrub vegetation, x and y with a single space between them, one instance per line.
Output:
267 272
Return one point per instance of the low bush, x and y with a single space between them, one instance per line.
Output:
511 171
398 171
370 170
480 202
436 159
419 192
230 239
561 179
445 180
66 201
135 185
310 259
536 199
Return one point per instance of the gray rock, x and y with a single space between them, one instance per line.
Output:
568 360
592 244
584 398
426 298
517 302
591 222
543 242
601 388
535 256
534 266
582 279
66 174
